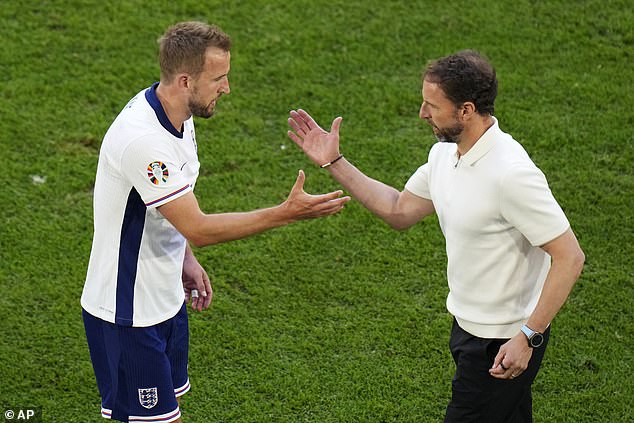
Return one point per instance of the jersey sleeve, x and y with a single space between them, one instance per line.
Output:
418 183
155 171
529 205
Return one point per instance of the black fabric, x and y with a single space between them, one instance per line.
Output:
479 397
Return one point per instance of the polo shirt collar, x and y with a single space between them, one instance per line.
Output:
484 144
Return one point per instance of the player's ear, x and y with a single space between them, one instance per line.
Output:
183 80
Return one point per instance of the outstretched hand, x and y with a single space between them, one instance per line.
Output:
320 146
299 205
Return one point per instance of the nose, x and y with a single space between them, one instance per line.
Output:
224 88
422 113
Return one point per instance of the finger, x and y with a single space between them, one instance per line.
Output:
297 140
194 303
195 298
308 119
334 209
207 300
499 357
296 127
334 128
515 375
324 198
300 121
299 182
208 293
321 212
329 207
499 375
201 300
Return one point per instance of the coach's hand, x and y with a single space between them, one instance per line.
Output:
320 146
196 283
512 359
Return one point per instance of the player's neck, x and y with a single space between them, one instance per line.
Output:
175 109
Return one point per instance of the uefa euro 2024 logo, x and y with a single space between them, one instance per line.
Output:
157 172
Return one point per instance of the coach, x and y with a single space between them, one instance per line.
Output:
512 256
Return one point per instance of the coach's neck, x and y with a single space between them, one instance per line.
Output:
475 125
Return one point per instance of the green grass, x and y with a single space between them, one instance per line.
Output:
334 320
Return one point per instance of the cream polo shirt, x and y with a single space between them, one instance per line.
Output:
495 209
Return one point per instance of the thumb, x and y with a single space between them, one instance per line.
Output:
334 128
498 358
299 182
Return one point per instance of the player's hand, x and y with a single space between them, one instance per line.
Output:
196 284
320 146
299 205
512 359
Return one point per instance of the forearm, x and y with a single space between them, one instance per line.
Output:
562 276
210 229
205 229
379 198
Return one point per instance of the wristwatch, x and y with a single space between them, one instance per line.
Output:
535 339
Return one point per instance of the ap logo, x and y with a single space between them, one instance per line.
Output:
148 397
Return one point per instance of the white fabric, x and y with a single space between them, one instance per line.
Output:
495 209
134 273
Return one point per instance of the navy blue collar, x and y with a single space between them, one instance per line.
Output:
152 98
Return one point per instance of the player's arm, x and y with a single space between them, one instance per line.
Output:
205 229
399 209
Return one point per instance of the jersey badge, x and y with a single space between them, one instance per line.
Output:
157 172
148 397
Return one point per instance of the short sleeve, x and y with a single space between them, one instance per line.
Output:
155 171
529 205
418 183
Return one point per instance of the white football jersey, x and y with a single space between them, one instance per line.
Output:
135 269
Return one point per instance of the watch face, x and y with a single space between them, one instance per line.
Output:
537 340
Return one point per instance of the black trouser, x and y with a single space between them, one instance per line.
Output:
479 397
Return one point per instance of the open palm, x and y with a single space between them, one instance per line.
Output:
320 146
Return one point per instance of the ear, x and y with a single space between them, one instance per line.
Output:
183 80
467 110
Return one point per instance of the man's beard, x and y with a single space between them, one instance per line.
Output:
201 110
450 134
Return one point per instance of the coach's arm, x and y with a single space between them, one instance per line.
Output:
400 210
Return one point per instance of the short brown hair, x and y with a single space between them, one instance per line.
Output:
183 46
465 76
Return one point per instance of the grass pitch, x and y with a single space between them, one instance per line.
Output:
334 320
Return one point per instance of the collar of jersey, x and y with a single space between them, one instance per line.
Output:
483 145
155 103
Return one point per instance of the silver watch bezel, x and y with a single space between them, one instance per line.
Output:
535 339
